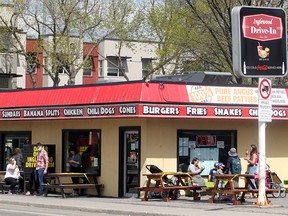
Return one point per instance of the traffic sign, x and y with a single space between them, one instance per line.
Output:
264 88
264 101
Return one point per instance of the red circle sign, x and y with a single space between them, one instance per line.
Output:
265 89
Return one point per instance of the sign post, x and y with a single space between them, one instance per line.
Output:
264 115
260 50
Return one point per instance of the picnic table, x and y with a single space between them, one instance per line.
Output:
162 182
232 191
59 181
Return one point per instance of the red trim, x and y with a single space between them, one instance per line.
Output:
134 99
138 110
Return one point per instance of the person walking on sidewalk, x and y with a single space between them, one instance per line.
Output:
41 168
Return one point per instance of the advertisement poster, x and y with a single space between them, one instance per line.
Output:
259 42
30 157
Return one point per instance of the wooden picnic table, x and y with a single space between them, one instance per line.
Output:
162 182
59 181
232 191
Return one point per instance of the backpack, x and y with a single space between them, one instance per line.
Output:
235 165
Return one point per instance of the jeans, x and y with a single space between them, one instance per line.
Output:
253 170
39 179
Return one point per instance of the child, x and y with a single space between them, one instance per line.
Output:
213 171
220 167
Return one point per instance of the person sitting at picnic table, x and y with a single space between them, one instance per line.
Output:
195 170
12 176
220 167
212 172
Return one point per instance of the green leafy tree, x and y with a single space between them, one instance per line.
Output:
196 34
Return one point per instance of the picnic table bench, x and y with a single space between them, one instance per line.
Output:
4 187
234 192
59 181
166 188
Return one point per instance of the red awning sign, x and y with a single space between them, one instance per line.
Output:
265 88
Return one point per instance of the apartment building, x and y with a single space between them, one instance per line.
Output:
109 61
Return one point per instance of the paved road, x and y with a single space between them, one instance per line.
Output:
132 206
24 210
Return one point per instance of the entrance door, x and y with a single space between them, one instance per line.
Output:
129 161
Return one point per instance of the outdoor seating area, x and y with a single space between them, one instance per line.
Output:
168 184
161 183
237 194
63 181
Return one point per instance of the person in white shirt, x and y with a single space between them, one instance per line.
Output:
195 170
12 175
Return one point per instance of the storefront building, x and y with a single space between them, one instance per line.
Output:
120 128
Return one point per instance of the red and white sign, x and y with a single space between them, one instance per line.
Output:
141 110
259 42
206 140
262 27
265 88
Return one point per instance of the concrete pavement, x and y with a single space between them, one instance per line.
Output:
133 206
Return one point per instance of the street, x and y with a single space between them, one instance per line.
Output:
9 209
104 206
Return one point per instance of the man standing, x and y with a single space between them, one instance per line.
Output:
41 167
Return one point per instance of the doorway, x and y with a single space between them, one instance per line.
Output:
129 170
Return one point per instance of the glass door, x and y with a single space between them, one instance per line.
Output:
131 161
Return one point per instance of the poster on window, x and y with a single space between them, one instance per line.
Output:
183 146
30 153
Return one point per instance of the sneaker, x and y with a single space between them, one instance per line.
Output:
9 192
27 193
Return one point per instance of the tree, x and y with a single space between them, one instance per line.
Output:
61 26
197 33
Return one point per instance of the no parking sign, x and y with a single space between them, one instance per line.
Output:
265 88
264 101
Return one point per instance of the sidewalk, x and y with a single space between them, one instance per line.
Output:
134 206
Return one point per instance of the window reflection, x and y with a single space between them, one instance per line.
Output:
87 144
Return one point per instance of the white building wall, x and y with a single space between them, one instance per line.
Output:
19 65
47 81
12 61
134 51
7 10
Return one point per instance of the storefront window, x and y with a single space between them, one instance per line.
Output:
9 142
87 144
208 145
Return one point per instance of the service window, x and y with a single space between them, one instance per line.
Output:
208 145
87 144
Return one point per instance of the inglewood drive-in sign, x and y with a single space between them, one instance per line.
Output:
259 42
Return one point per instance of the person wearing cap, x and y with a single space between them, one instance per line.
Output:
41 168
234 165
220 167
